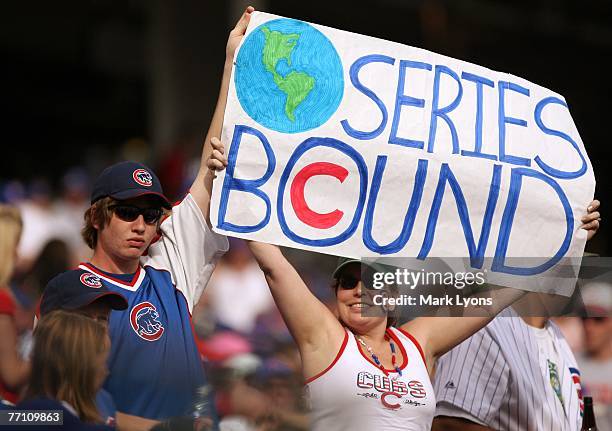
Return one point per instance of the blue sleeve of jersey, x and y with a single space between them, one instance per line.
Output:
106 405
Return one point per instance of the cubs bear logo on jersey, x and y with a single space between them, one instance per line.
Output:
143 177
91 280
144 319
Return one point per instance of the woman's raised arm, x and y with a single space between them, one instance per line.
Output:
317 332
308 319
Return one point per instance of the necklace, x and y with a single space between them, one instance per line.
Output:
375 358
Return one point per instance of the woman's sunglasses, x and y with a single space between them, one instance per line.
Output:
348 282
130 213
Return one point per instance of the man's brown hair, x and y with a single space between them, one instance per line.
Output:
99 213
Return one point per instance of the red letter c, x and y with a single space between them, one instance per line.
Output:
387 404
303 212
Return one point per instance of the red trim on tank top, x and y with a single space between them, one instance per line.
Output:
415 342
316 376
397 341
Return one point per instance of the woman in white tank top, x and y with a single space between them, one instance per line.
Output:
363 374
356 394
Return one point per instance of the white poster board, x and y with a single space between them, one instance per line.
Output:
355 146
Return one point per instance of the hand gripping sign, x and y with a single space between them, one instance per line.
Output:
355 146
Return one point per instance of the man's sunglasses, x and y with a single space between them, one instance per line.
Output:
130 213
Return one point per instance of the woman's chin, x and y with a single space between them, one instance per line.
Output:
361 319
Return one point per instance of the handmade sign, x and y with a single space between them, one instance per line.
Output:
351 145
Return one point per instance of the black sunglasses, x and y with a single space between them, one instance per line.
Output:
130 213
347 282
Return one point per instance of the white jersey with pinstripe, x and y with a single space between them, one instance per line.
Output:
499 377
354 394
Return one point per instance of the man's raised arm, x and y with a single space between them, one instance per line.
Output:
201 189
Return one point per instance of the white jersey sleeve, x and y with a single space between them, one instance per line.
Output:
188 249
471 380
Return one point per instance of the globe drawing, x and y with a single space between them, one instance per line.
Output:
288 76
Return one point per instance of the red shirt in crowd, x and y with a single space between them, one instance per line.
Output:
7 307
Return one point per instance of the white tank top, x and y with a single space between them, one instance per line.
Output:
354 394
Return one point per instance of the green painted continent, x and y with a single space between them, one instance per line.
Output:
296 85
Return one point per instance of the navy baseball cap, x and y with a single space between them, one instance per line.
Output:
127 180
77 288
343 262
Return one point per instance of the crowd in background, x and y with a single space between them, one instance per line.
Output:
252 361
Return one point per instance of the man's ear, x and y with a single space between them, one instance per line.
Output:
94 217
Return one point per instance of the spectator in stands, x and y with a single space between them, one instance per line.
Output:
238 275
69 210
68 369
14 371
596 362
39 222
282 386
53 259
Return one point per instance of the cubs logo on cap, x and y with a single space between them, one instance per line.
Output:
128 180
143 177
75 289
91 280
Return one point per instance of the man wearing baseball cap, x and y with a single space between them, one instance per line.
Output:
161 268
160 259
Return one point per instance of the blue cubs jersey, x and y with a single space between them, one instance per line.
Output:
155 367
